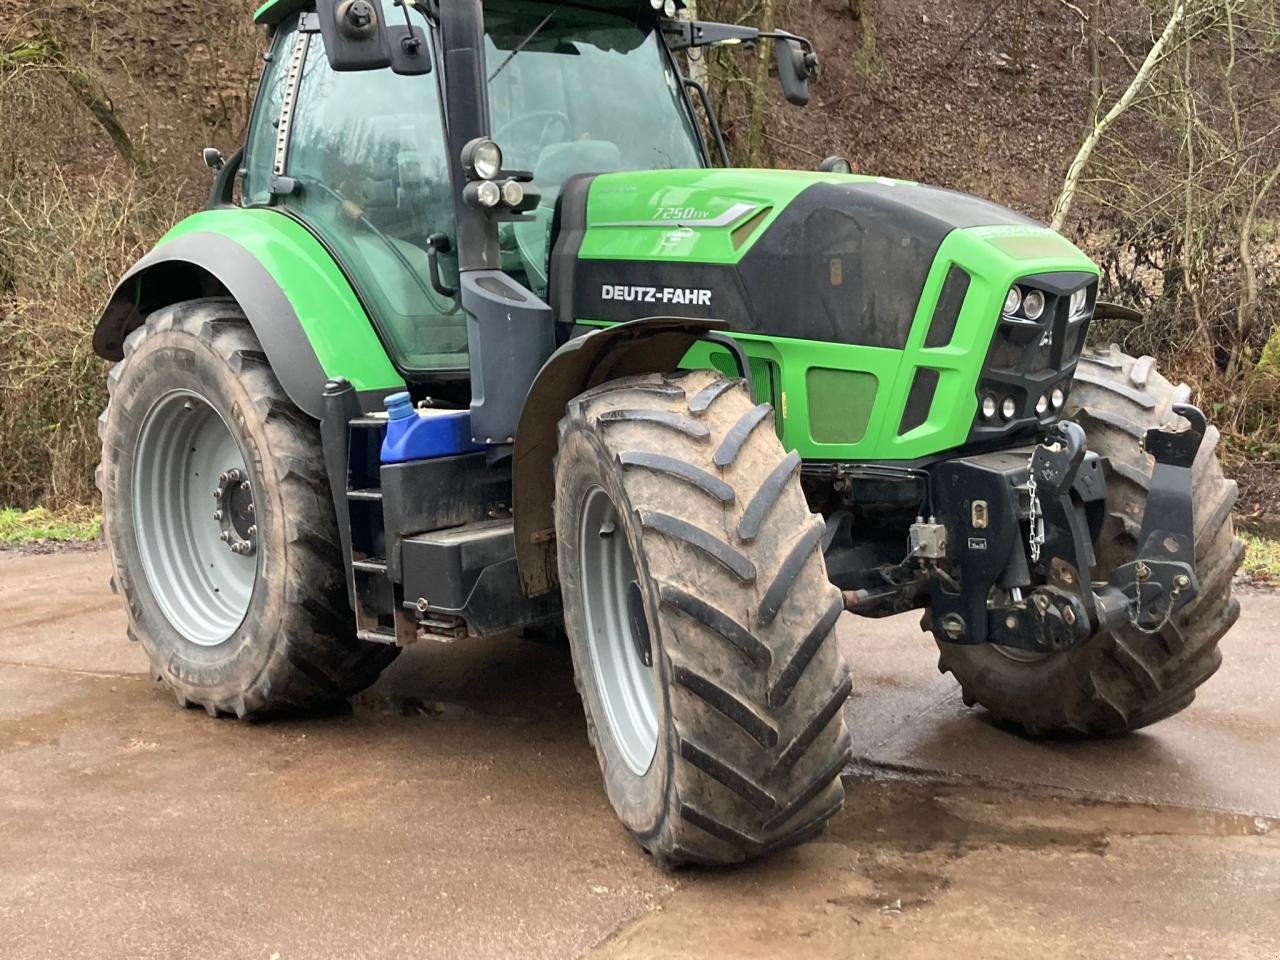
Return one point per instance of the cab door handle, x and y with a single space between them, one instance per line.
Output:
438 243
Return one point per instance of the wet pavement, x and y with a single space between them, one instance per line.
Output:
456 812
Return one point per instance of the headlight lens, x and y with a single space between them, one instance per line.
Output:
483 159
1033 304
1058 397
1079 302
1012 300
488 194
1008 408
656 4
988 407
669 8
1042 405
512 193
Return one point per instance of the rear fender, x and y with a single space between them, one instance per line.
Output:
302 309
650 345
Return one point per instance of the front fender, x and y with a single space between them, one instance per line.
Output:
303 310
653 344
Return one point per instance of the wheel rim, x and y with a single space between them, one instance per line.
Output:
193 518
1019 655
617 632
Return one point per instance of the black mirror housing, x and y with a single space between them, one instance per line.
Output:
355 37
795 69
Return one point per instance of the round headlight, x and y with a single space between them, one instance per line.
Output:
1042 406
1008 408
669 8
1033 304
482 159
656 4
1012 300
1058 397
512 193
1079 300
488 194
988 407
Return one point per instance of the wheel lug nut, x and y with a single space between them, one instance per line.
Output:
253 529
223 478
217 514
245 486
233 475
225 536
249 509
217 494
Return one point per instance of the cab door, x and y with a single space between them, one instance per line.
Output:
366 157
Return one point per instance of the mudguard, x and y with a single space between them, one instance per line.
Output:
304 312
648 345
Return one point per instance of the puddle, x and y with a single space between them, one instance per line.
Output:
910 816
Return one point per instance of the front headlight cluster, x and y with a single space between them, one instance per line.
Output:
667 8
1025 304
1028 303
1007 406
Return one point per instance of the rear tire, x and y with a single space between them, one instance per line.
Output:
287 643
1121 681
679 516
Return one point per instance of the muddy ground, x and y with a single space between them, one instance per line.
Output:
456 812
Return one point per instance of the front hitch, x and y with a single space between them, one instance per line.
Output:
1161 580
1050 498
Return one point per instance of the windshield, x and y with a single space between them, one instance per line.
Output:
577 91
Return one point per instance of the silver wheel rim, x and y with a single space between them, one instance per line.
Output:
626 684
187 519
1019 655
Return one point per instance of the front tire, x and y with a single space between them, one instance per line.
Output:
683 535
265 629
1128 679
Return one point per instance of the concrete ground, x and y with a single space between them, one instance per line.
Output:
456 812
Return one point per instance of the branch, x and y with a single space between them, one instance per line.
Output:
1063 205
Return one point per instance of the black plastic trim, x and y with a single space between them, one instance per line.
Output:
238 273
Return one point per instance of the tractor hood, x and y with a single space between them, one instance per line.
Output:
836 258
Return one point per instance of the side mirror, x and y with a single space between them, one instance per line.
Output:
795 68
213 158
355 38
835 164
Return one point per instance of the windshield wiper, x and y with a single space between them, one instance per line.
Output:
523 43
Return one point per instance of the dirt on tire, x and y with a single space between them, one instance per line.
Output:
295 650
1120 681
751 736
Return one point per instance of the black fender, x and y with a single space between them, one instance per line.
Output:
206 264
649 345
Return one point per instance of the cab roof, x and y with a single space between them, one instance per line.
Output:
274 12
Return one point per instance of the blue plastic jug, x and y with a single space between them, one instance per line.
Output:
423 434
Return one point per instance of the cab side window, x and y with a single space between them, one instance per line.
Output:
259 154
367 151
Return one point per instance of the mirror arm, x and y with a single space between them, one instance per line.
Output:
712 120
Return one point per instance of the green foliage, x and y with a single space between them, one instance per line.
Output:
35 525
1261 559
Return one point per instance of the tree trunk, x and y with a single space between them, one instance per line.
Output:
760 90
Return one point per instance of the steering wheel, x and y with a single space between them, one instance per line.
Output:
552 121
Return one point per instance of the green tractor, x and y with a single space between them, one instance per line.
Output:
480 334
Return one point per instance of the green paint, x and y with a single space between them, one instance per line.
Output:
837 401
638 216
840 403
275 11
332 318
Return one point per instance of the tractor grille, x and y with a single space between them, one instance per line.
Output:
1028 359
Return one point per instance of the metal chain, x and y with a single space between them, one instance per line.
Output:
1035 531
1133 611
